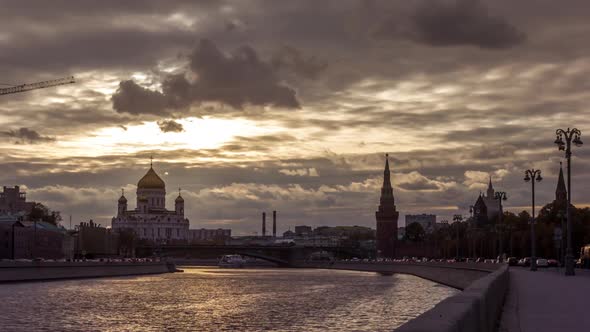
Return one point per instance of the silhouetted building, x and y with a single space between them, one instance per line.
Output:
289 234
217 236
386 217
13 201
480 212
427 221
95 241
27 239
303 230
560 202
486 207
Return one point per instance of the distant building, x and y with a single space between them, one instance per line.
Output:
150 220
386 216
560 202
95 241
219 236
486 207
27 239
13 201
303 230
289 234
427 221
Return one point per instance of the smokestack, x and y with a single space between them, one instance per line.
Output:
274 223
263 223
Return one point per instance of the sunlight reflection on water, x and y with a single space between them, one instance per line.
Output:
211 299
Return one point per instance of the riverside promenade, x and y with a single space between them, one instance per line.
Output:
546 301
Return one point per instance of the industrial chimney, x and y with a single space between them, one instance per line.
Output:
274 223
263 223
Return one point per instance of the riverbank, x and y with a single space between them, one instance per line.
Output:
40 271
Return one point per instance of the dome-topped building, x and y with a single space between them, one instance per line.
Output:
151 180
150 220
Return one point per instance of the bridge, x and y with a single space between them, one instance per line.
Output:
283 256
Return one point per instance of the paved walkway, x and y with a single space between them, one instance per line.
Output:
547 301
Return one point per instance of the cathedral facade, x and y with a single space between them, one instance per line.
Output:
150 220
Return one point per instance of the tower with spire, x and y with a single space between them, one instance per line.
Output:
386 216
560 201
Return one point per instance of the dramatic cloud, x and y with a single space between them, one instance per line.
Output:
134 99
453 90
26 135
237 79
168 126
291 59
452 23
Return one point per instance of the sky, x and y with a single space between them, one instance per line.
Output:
252 106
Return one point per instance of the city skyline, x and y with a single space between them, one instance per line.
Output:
307 137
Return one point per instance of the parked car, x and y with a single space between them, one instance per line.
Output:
525 261
512 261
542 262
553 262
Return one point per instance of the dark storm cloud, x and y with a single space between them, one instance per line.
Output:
170 126
134 99
291 59
26 136
237 79
452 23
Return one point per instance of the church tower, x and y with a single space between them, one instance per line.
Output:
386 216
122 206
560 191
179 204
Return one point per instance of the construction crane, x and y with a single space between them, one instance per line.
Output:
38 85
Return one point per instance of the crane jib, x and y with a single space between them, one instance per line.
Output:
37 85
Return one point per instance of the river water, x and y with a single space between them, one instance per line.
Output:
212 299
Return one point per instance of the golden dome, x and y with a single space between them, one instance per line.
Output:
151 180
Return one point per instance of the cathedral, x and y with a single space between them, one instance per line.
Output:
150 220
485 209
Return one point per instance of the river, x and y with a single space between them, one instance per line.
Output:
212 299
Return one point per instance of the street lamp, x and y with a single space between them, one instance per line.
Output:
571 136
533 175
500 196
457 218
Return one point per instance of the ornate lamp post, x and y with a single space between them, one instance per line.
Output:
457 219
500 196
571 136
533 175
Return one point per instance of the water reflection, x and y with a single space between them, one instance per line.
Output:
211 299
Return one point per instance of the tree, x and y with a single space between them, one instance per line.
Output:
40 212
415 232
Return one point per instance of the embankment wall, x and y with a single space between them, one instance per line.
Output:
37 271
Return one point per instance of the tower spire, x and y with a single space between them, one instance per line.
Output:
151 161
561 190
386 216
387 201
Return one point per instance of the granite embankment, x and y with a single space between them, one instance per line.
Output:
37 271
476 308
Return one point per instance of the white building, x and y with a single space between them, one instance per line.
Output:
150 220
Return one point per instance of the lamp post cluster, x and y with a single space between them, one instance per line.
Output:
533 175
570 136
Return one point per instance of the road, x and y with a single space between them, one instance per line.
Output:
546 301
